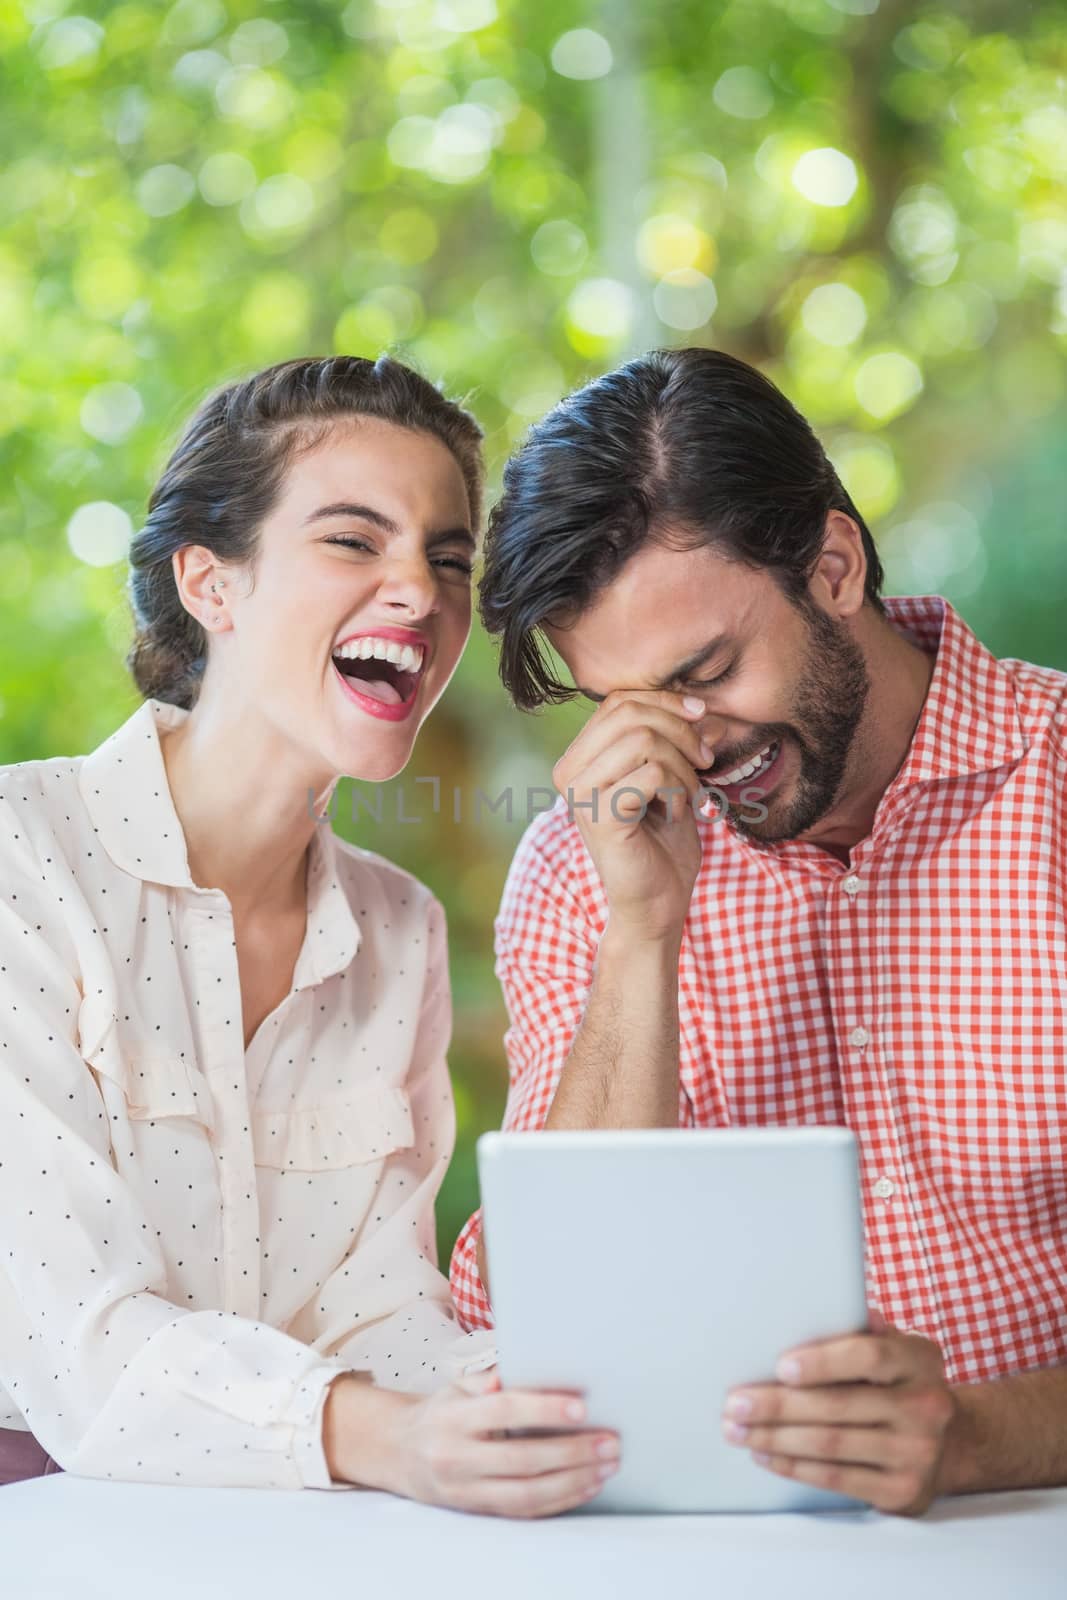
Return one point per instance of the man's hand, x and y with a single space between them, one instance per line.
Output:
867 1416
630 778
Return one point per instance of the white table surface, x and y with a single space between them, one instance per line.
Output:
68 1538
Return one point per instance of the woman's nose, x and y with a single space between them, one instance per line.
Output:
410 586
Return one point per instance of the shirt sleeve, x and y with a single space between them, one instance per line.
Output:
546 944
113 1379
386 1309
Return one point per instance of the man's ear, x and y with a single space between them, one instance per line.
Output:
841 569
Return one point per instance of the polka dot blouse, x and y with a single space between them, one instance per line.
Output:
197 1239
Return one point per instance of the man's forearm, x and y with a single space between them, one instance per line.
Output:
622 1071
1010 1433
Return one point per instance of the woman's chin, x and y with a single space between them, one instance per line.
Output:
368 760
373 768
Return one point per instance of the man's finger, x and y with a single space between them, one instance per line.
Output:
847 1404
857 1358
896 1491
627 739
871 1447
638 748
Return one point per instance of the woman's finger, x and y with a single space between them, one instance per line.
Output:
531 1458
511 1409
539 1497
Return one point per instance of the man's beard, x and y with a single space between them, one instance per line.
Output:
827 710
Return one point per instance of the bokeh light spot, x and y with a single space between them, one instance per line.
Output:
685 299
599 315
258 42
99 533
743 92
276 311
111 411
582 53
70 42
671 243
826 177
887 384
559 248
193 21
868 469
834 314
464 16
165 189
259 99
408 236
531 389
225 178
282 203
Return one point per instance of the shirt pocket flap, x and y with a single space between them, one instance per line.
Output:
158 1086
365 1126
153 1085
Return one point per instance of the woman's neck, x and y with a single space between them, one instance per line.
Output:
246 807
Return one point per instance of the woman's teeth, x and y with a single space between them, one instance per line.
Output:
750 768
405 656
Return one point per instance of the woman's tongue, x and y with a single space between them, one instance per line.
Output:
378 689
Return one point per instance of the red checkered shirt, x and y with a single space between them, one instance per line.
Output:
917 995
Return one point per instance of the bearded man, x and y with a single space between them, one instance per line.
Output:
808 865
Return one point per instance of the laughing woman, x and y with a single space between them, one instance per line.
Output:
225 1110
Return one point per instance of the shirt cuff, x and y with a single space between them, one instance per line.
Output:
472 1352
308 1450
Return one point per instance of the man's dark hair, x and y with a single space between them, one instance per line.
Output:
683 447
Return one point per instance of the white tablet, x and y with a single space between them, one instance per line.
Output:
656 1269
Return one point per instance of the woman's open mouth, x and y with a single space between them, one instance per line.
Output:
380 675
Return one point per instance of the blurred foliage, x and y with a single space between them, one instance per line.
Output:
866 199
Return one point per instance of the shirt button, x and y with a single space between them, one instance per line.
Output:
859 1037
851 884
884 1188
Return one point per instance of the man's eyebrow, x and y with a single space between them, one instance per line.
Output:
697 659
682 670
348 508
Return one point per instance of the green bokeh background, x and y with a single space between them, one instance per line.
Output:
866 199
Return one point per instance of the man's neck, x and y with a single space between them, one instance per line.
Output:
900 676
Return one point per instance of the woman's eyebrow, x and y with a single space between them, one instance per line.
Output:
348 508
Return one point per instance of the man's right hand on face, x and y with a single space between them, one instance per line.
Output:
630 780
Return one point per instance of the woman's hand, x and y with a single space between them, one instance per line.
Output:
457 1447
